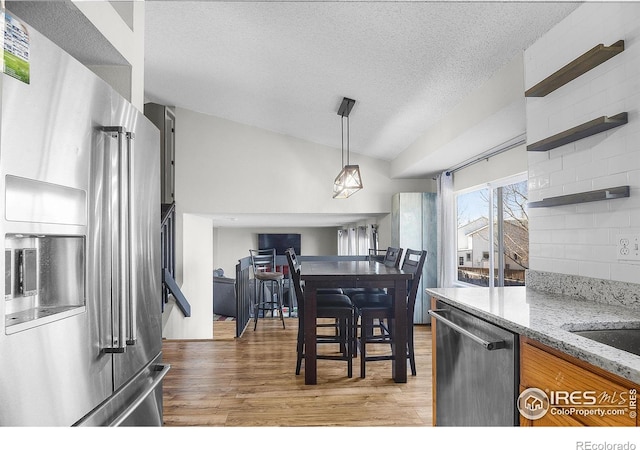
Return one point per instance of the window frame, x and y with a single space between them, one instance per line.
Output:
492 187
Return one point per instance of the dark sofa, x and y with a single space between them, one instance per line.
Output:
224 294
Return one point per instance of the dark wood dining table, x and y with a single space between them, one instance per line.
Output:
350 274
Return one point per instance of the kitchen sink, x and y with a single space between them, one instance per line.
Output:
627 340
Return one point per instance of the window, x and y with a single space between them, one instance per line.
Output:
493 233
343 242
461 261
357 240
362 238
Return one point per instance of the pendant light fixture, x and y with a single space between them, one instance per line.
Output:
348 181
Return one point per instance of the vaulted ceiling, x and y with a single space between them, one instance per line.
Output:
285 66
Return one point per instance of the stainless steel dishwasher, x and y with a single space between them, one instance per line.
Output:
477 372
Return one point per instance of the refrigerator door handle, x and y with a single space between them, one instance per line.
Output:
159 373
123 403
115 168
129 275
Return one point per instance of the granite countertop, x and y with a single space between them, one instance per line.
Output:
549 318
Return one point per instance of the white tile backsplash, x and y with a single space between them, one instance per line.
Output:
617 179
548 250
613 219
552 191
556 222
590 236
544 167
594 269
635 217
610 146
578 252
577 159
579 240
593 207
622 164
589 108
625 272
578 186
579 220
565 176
585 169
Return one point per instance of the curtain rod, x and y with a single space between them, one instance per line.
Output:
505 146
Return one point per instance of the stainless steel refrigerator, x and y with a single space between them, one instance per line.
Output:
80 196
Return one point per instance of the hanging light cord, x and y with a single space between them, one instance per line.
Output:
343 139
348 140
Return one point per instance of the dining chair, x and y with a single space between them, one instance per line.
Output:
328 306
379 306
265 275
377 254
391 258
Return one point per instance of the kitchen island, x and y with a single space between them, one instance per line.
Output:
550 356
550 319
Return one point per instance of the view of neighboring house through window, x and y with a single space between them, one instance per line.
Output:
493 217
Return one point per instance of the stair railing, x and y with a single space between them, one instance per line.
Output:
168 258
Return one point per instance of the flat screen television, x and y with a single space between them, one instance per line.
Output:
280 242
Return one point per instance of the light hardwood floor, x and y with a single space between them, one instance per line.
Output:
251 381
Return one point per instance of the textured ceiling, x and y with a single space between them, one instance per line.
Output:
65 25
285 66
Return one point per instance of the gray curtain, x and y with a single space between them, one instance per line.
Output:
446 231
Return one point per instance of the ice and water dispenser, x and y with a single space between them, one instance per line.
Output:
45 252
44 276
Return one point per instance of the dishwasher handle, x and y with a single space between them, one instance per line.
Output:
489 345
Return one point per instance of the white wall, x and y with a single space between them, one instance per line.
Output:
503 165
196 283
580 239
227 167
129 41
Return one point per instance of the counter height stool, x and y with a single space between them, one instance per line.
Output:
263 262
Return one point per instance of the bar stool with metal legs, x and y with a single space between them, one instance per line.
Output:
263 262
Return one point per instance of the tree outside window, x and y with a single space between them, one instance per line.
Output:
507 233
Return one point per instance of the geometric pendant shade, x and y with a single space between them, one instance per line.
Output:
348 181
